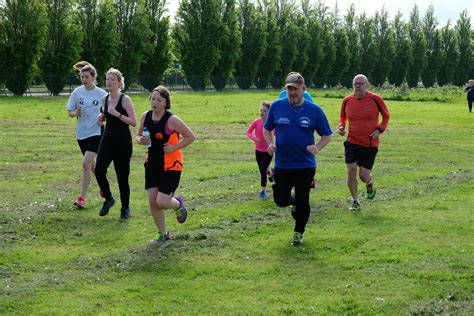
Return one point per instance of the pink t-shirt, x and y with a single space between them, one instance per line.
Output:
254 132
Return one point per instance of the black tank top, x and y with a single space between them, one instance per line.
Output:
116 131
158 137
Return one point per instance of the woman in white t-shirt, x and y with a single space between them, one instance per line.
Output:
84 103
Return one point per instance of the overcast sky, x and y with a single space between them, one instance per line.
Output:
443 9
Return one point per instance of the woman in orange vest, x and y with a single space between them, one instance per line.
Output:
168 134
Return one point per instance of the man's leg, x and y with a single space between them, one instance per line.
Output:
282 186
302 179
352 180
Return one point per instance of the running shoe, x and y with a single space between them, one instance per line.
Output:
297 239
270 174
125 213
80 202
106 207
370 191
162 237
181 212
355 206
262 195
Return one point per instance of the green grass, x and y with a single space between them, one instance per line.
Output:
409 251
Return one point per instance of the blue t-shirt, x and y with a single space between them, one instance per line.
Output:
295 127
307 96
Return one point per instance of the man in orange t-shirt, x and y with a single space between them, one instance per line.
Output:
362 110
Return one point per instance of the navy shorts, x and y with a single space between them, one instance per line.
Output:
89 144
166 181
363 156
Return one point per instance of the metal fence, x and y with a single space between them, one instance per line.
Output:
176 83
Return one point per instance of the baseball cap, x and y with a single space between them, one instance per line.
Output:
294 79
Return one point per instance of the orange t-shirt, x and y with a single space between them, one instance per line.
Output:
363 117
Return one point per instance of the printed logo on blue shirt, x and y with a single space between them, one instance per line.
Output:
95 102
283 121
81 101
305 122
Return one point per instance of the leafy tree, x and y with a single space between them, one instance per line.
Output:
63 45
449 55
253 44
270 60
341 43
285 13
197 25
368 47
384 40
417 39
302 42
23 30
134 32
3 57
98 22
229 41
433 48
353 46
157 57
464 35
402 58
329 49
315 49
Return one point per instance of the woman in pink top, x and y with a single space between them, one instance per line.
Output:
255 133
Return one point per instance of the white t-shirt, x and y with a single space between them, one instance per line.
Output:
89 101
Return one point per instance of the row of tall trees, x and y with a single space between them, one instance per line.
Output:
255 42
48 36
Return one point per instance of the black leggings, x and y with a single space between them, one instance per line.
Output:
469 104
300 179
120 154
263 161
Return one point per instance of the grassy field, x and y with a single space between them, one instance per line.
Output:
409 251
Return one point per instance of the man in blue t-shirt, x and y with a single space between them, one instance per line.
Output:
295 120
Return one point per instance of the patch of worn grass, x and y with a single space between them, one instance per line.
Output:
408 251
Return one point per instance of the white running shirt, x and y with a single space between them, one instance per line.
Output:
89 101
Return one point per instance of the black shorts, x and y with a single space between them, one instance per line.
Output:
89 144
166 181
363 156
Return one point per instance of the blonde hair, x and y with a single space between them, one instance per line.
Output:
118 75
164 93
266 104
84 66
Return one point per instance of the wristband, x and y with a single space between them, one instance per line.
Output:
120 116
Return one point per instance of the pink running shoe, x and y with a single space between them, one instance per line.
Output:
80 201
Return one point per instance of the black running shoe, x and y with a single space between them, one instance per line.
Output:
106 207
125 213
297 239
